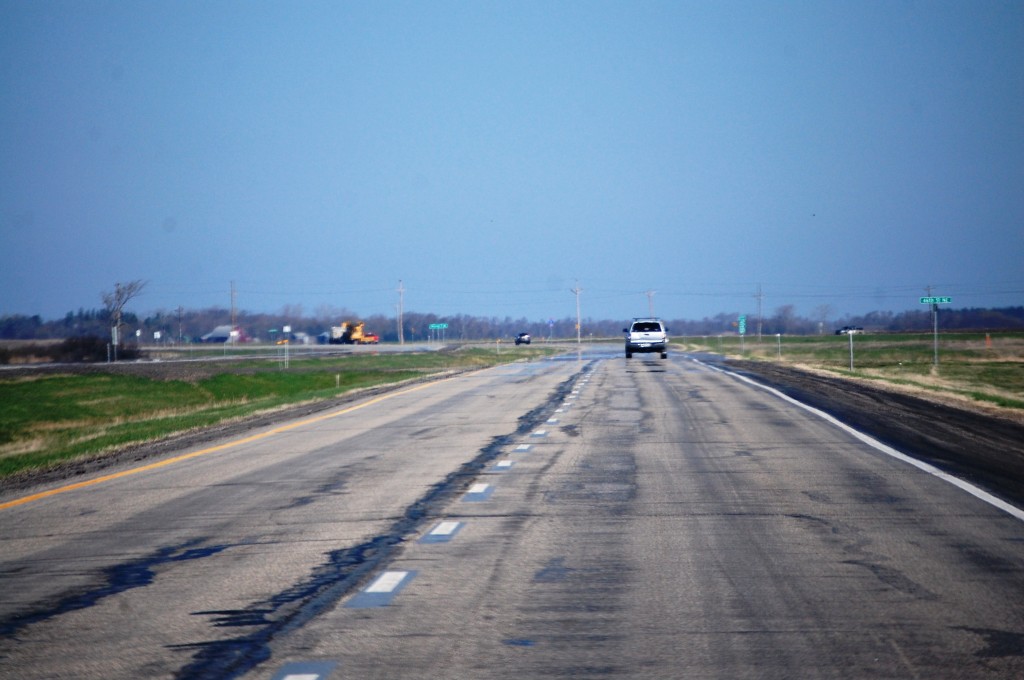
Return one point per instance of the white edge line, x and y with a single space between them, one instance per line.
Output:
884 448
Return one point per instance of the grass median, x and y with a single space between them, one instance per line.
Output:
48 419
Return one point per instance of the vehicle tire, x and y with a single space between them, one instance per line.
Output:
664 355
629 355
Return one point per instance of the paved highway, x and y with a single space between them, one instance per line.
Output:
588 517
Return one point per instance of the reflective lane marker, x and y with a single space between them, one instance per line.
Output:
559 410
442 533
540 433
382 590
552 421
312 670
522 448
478 492
503 465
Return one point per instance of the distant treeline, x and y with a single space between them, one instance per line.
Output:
188 326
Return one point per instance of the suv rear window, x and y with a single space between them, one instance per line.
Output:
646 326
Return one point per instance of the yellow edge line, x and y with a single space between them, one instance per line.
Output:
212 449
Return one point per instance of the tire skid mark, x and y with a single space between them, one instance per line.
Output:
117 579
345 569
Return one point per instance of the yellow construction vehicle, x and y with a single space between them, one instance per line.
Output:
352 333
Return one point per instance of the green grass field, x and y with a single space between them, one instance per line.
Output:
979 366
50 418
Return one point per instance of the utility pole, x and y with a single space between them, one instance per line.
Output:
401 301
650 303
577 290
233 315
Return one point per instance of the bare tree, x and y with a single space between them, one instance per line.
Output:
784 318
115 302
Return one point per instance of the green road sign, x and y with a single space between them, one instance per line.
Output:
743 325
936 300
438 326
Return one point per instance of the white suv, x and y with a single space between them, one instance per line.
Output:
646 335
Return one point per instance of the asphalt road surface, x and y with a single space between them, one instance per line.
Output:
586 517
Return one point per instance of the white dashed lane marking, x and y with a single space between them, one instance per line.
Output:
381 591
443 532
478 492
305 670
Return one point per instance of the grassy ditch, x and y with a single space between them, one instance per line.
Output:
47 419
981 367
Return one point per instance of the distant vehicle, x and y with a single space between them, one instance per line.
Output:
850 330
352 333
646 336
225 334
523 339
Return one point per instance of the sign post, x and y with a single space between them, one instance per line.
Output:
438 327
935 302
287 330
850 335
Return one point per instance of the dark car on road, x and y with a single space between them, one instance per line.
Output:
523 339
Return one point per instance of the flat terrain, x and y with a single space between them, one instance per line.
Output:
981 445
570 517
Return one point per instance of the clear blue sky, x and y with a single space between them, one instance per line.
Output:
492 154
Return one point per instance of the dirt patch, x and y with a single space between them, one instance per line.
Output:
984 446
